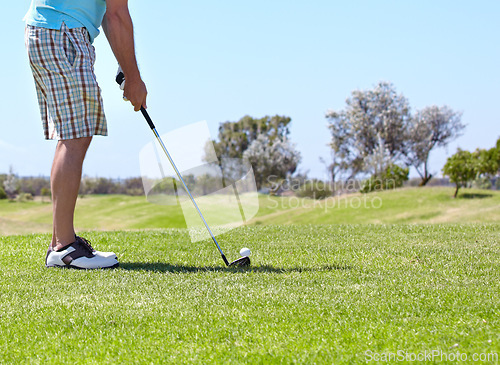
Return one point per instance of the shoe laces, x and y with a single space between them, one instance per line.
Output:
86 243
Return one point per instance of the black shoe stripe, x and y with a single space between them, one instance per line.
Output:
84 268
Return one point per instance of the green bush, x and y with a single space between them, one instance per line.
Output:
391 178
314 189
3 194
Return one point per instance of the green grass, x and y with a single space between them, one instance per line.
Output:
412 205
315 294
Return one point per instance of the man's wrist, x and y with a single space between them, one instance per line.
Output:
133 76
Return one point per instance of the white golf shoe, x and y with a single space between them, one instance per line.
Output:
80 255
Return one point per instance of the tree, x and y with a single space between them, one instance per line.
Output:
487 162
236 137
262 141
431 127
487 166
461 168
10 184
276 159
379 116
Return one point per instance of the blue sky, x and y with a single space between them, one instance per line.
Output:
220 60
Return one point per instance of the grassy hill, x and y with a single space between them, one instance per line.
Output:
98 212
409 205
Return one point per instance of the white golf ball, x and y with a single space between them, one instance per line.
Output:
245 252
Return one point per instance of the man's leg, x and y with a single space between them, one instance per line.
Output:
65 182
75 110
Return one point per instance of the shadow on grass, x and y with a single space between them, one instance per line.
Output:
165 267
474 196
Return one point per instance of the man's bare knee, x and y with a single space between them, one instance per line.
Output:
76 146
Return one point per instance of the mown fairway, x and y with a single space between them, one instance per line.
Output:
315 294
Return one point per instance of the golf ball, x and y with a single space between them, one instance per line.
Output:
245 251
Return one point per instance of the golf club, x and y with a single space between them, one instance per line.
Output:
242 261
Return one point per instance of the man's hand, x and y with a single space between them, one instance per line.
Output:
118 27
135 92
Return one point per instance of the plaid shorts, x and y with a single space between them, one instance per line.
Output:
62 62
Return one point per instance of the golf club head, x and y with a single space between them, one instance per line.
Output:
241 262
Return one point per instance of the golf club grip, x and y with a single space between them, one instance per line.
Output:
120 77
147 117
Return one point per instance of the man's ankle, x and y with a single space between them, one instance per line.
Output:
61 244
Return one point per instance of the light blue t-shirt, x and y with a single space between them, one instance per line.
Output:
74 13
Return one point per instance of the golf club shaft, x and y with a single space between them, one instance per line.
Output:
152 126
